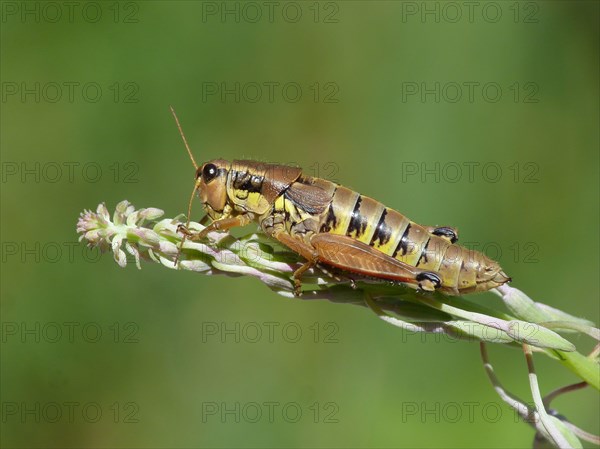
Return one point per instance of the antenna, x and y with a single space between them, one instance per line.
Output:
187 147
187 224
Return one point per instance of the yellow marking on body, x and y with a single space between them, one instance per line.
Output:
449 268
371 210
343 204
434 254
468 273
417 237
280 203
397 223
255 201
294 214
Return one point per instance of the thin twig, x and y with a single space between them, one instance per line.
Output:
566 389
582 433
557 437
576 430
528 414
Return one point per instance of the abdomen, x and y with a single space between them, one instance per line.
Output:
369 221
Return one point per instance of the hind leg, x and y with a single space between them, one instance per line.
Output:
306 251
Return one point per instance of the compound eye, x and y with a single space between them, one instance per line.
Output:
209 172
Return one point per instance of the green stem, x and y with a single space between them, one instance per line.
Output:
585 367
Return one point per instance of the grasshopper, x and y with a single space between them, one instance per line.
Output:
334 227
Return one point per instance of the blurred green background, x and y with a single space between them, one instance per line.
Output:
366 93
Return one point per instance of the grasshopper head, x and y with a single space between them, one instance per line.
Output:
211 183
